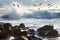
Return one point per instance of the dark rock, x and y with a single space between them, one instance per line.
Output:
8 29
3 35
2 32
45 28
1 23
1 27
7 26
23 33
31 32
17 32
22 26
16 27
5 16
53 33
47 31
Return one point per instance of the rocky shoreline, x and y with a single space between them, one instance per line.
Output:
21 32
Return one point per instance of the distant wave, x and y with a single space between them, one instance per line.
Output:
36 15
43 15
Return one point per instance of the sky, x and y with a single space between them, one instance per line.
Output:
29 1
45 2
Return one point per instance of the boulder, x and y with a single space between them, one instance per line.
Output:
45 28
47 31
8 29
53 33
16 32
22 26
31 32
23 33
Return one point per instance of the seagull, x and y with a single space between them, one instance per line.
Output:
13 4
17 5
34 5
40 6
49 5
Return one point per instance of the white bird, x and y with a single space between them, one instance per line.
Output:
49 5
40 6
13 4
17 5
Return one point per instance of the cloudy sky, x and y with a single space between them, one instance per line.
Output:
29 1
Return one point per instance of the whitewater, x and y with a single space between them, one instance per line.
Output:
30 15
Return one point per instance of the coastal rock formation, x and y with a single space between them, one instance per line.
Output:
47 30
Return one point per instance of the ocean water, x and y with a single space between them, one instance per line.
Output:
29 15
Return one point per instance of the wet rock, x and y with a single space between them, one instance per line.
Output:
23 33
2 33
1 23
8 29
31 32
45 28
53 33
47 31
17 32
16 27
22 26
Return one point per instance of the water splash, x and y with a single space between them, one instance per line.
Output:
17 10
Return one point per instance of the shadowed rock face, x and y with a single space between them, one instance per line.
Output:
7 27
47 30
53 33
2 33
23 33
31 32
16 32
7 30
22 26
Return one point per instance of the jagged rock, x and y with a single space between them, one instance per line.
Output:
22 26
31 32
24 33
1 23
47 30
16 32
53 33
8 29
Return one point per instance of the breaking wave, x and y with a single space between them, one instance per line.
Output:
18 10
